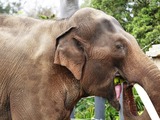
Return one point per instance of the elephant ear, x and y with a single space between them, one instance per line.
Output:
70 53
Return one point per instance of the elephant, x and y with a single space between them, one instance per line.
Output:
46 66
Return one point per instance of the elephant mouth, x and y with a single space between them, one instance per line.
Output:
128 97
118 79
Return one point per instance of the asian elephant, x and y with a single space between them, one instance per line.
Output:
46 66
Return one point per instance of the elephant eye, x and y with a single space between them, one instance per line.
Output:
119 45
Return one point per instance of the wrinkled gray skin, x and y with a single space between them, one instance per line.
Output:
47 66
129 106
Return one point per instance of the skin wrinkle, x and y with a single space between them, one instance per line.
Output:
85 27
49 65
22 106
24 110
5 84
96 54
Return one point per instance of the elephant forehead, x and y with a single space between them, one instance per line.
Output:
103 18
106 24
93 15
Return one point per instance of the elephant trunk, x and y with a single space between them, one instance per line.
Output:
129 106
140 69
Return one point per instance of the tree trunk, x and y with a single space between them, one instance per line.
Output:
67 8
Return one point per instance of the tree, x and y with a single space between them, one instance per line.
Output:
10 7
145 25
67 8
21 7
141 18
116 9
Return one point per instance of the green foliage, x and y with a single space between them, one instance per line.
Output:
20 7
118 80
145 26
141 18
46 17
86 107
86 3
9 7
116 8
110 112
137 99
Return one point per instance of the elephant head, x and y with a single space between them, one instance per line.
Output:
95 48
91 48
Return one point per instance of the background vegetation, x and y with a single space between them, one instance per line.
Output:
141 18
